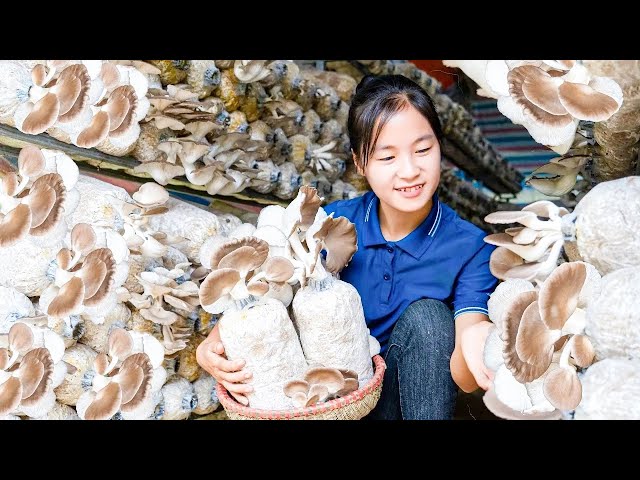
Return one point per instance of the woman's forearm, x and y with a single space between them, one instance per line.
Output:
461 371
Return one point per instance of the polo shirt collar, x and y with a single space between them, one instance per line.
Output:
416 242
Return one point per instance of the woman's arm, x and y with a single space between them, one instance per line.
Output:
467 365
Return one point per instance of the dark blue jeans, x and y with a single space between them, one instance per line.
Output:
417 383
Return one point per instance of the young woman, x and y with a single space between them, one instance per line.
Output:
422 271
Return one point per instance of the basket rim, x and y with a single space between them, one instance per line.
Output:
230 404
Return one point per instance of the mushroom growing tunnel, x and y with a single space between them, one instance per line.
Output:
144 202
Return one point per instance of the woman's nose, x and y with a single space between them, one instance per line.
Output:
408 167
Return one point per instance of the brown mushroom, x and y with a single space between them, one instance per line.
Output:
42 116
80 74
10 183
20 338
101 364
110 75
522 371
350 385
586 103
4 358
120 343
277 269
15 225
106 403
133 397
582 351
534 341
501 410
338 237
532 75
563 388
10 395
39 74
128 92
244 259
83 238
68 300
329 377
31 161
100 268
258 288
321 392
559 294
295 386
96 132
218 283
259 249
36 375
502 260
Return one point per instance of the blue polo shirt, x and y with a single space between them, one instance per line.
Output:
444 258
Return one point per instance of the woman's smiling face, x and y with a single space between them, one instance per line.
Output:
404 168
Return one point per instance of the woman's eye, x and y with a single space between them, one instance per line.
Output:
424 150
385 159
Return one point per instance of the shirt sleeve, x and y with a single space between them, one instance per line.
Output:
474 284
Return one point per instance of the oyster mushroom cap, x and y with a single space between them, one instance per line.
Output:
110 75
329 377
301 212
522 371
98 272
150 194
559 294
106 403
563 388
338 237
15 225
259 251
120 343
586 103
350 385
258 288
4 358
20 337
134 378
534 341
83 238
10 183
63 258
68 300
42 116
10 395
218 283
124 95
582 351
31 161
78 77
36 375
101 363
501 410
46 200
502 260
319 392
96 132
278 269
39 74
295 386
245 259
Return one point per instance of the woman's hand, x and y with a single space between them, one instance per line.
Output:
210 356
472 345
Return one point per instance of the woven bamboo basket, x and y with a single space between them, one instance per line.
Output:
351 407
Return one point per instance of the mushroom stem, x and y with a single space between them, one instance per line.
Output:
566 352
299 250
112 365
568 226
24 180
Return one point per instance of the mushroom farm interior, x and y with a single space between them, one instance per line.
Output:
143 202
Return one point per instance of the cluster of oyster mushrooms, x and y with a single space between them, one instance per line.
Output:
321 384
282 307
89 103
99 309
228 125
566 336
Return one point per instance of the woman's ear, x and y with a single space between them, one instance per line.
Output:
359 169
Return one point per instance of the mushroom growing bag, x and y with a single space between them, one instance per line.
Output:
263 335
330 321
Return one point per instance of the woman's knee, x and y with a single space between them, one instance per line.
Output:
427 321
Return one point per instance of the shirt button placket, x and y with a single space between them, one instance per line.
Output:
387 274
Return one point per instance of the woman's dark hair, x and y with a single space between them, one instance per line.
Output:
380 97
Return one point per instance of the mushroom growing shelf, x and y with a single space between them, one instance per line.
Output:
91 160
